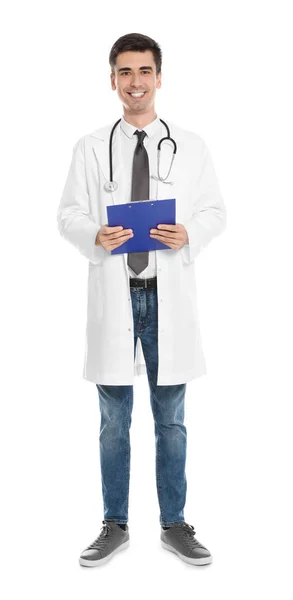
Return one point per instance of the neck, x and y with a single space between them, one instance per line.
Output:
139 121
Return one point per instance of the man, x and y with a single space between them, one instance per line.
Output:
146 298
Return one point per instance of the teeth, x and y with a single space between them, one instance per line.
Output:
137 95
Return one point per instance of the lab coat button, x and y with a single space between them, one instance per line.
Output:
129 328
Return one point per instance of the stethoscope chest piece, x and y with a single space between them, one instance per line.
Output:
111 186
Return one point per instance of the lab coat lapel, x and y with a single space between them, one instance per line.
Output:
102 154
101 150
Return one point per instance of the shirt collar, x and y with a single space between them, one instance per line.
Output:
150 129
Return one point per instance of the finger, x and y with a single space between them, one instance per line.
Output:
114 236
122 239
165 232
166 237
167 226
113 229
170 245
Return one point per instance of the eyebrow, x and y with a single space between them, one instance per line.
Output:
129 68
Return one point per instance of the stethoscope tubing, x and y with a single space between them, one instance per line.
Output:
168 137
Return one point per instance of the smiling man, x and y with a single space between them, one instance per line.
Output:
142 309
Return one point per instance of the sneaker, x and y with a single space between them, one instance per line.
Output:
112 539
179 538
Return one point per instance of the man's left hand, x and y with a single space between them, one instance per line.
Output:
174 236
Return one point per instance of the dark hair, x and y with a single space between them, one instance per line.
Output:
136 42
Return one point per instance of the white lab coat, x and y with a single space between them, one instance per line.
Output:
109 346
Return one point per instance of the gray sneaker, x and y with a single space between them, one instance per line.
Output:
179 538
112 539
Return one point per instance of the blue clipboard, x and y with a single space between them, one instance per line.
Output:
141 216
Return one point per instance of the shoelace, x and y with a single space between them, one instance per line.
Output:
102 537
187 532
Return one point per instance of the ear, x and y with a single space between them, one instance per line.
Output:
159 80
112 78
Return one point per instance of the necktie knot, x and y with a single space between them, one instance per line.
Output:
141 135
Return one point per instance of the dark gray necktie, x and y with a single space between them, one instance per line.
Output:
138 261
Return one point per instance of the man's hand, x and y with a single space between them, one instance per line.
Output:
112 237
174 236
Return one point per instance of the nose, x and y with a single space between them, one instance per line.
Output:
135 80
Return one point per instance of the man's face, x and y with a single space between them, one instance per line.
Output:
136 72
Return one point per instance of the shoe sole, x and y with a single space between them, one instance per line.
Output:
101 561
205 560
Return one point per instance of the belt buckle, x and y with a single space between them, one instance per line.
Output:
142 287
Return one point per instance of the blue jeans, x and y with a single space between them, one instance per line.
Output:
167 402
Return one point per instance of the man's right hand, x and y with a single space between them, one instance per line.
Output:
112 237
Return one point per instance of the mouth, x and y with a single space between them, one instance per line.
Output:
136 95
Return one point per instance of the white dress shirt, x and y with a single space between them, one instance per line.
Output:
154 131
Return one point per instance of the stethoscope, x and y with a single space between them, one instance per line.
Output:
111 186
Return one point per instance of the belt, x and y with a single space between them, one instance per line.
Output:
150 283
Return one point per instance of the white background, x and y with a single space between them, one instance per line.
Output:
227 75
